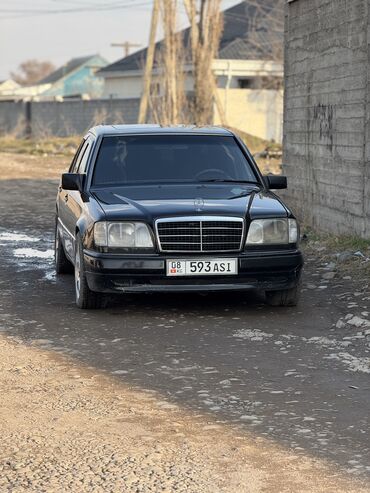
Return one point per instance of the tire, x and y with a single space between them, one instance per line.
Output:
62 264
284 297
85 298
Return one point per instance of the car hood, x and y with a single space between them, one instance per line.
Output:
152 202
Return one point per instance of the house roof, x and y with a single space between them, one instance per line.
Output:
66 69
252 31
4 81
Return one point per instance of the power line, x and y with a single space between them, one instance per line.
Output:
81 7
67 10
18 13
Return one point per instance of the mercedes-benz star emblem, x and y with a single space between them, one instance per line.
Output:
198 204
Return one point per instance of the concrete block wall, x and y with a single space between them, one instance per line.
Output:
327 114
67 117
12 117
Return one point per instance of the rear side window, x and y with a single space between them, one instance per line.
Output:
84 157
81 157
170 158
77 158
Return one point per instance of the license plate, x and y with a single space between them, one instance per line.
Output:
204 267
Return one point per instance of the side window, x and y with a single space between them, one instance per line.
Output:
85 156
77 158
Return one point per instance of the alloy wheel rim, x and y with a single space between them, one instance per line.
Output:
56 252
78 275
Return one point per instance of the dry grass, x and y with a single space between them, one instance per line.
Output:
52 146
19 166
66 147
257 145
328 248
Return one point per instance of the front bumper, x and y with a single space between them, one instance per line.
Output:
114 273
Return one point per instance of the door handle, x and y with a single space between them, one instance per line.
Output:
66 197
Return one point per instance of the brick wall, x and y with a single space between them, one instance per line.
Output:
327 113
67 117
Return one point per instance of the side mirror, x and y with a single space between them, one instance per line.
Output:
276 182
72 181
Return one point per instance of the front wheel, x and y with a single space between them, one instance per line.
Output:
85 298
284 297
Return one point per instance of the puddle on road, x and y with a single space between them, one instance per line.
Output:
20 251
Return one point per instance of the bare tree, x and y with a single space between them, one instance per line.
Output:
205 32
167 93
267 29
171 52
265 22
32 71
149 64
168 101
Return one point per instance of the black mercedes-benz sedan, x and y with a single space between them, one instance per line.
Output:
145 208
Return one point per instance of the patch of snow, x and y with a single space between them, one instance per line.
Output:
327 342
354 364
358 322
225 383
303 431
50 276
245 417
251 334
33 253
340 324
14 237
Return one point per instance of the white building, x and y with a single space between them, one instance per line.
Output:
7 87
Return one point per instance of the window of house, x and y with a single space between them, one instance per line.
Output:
273 83
245 83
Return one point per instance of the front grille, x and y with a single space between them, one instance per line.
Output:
200 235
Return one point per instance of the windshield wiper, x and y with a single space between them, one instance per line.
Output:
221 180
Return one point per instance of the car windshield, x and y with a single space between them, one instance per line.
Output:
170 159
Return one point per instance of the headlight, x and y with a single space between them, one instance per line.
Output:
122 235
272 232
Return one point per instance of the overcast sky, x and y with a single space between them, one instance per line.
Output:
42 29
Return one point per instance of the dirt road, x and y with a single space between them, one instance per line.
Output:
173 393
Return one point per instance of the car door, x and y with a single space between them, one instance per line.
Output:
62 200
71 202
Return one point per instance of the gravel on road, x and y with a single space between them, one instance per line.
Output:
64 427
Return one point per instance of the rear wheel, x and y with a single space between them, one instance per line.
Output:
62 264
284 297
85 298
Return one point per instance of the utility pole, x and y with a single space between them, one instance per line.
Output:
126 46
149 63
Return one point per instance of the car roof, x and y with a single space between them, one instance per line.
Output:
158 129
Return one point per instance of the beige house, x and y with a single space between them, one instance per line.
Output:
255 110
248 74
